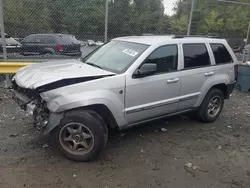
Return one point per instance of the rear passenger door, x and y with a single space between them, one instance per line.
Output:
41 44
196 69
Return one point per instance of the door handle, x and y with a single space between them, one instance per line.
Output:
209 73
173 80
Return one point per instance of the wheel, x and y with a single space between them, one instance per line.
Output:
48 54
211 106
81 135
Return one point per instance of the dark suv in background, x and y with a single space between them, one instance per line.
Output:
51 44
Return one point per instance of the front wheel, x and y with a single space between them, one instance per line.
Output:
81 135
211 106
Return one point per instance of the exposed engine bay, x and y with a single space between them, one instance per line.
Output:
30 101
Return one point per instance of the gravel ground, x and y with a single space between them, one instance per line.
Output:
176 152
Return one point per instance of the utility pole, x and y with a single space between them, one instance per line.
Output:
8 83
191 17
106 20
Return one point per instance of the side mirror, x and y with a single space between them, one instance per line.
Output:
145 70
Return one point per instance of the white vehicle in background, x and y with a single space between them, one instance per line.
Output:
12 45
99 43
91 43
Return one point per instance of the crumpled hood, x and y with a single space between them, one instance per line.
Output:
40 74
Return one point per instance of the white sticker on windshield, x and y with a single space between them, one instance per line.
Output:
130 52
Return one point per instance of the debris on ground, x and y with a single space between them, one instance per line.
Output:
141 136
164 130
45 146
189 165
14 135
74 175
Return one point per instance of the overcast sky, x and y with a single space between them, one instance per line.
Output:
169 5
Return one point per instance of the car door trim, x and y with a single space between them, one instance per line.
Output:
160 103
156 118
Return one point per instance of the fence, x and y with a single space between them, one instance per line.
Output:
85 18
92 20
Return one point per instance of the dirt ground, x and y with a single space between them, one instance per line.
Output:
188 154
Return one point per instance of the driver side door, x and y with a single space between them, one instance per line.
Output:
154 95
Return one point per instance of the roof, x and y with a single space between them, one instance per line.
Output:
46 34
152 40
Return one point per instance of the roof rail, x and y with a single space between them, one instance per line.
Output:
185 36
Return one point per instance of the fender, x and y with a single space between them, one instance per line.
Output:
209 83
110 98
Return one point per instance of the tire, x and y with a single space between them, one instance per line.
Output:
204 112
48 54
90 142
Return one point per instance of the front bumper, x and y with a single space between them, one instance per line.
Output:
12 49
42 121
24 102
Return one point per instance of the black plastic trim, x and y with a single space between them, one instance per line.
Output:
67 82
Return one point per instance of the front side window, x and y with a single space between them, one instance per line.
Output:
165 58
195 55
116 56
221 54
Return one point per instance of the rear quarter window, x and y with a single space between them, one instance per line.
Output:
68 39
195 55
221 54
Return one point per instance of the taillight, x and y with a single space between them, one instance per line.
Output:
236 71
60 48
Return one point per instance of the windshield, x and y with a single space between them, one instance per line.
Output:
116 56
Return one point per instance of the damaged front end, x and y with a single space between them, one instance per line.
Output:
29 100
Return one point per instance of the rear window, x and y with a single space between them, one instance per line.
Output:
221 54
69 39
195 55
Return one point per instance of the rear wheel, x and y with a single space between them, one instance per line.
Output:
212 105
81 135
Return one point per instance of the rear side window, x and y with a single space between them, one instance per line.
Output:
50 40
165 57
221 54
68 39
41 39
195 55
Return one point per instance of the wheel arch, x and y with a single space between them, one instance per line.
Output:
48 50
207 87
102 110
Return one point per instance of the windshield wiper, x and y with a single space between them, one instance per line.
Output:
94 65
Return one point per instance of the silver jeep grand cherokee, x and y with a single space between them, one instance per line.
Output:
128 81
